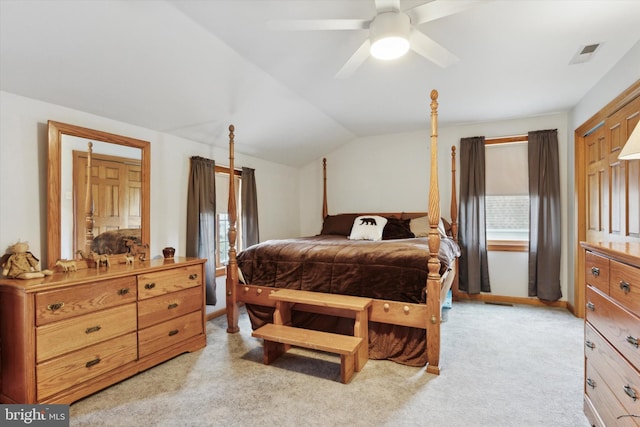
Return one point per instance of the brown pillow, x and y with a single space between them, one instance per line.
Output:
397 229
338 224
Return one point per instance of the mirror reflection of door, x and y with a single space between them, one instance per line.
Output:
116 186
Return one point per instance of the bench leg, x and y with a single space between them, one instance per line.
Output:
346 367
272 350
361 330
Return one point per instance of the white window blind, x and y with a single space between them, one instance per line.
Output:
507 169
507 191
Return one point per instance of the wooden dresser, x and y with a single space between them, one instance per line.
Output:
71 334
612 334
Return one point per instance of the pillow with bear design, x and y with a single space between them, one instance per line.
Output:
368 227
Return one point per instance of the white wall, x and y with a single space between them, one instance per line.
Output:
23 173
390 173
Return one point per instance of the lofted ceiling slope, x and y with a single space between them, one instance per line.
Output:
190 68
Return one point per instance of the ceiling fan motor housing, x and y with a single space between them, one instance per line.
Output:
389 35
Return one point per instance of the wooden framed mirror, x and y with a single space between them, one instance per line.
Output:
98 185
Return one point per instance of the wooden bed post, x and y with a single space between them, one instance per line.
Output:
88 205
433 278
232 265
454 218
325 210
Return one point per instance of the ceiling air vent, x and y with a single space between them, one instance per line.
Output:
585 53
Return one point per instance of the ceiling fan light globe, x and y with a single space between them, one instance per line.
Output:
389 35
389 48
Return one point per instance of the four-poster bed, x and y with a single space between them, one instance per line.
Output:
405 278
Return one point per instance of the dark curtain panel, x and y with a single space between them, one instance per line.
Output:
249 208
201 219
474 268
544 215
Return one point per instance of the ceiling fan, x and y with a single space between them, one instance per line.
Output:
392 32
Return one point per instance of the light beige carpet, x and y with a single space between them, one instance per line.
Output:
501 366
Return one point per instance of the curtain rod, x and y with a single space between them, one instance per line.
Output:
505 139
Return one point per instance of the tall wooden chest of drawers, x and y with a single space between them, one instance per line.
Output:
612 334
66 336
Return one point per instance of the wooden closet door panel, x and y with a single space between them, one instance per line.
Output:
624 194
617 199
633 205
633 176
596 183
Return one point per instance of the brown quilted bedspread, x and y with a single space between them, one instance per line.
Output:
389 269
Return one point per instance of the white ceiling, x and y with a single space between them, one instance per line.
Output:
190 68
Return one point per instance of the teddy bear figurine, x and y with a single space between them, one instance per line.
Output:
22 264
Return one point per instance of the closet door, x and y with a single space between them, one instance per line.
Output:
624 175
596 183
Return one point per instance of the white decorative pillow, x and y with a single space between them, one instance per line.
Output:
368 227
420 227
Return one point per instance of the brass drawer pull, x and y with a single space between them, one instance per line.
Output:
173 332
591 306
92 329
630 392
93 362
591 383
171 306
56 306
590 344
632 340
193 276
123 291
625 286
595 271
150 286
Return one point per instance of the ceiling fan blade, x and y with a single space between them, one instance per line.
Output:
439 9
431 50
356 60
318 24
387 6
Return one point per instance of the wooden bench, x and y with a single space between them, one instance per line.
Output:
353 350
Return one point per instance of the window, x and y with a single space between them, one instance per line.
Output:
507 194
222 217
222 240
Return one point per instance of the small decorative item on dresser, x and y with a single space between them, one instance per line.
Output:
19 263
168 252
67 265
100 259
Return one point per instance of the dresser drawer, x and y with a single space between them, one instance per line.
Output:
170 332
154 284
617 325
66 371
597 271
168 306
61 304
72 334
624 285
622 380
609 409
